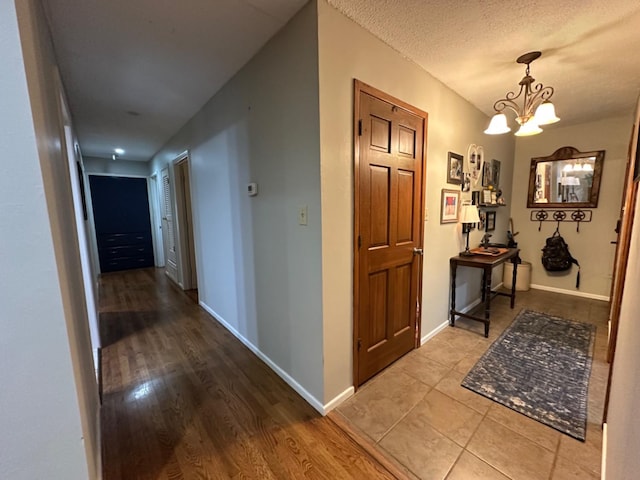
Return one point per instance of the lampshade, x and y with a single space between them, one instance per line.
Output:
546 114
469 214
570 181
498 125
587 167
528 129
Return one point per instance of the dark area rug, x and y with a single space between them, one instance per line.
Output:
540 367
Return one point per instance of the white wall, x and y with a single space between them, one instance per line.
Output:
347 51
258 270
48 399
623 425
591 247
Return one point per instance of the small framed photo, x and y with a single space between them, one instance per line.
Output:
449 206
491 222
454 168
487 174
475 197
466 182
495 173
486 196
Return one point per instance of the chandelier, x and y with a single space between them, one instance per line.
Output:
536 109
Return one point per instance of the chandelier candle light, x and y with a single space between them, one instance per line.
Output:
468 215
536 109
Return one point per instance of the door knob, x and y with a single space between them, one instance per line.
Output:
417 251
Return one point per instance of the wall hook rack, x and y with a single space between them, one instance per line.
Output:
558 216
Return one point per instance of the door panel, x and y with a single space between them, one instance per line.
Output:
389 206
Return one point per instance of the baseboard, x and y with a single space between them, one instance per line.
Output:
443 325
338 399
311 400
434 332
592 296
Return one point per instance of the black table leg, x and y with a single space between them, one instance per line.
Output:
515 260
453 266
487 300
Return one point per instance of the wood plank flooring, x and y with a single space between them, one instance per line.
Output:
184 399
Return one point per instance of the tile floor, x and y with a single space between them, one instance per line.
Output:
417 413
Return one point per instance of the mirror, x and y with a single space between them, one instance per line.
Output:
567 179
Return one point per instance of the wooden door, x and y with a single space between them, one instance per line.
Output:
389 205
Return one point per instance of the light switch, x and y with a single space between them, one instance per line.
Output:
302 215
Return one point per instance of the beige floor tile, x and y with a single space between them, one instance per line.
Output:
450 385
537 432
421 368
470 467
441 351
511 453
382 402
468 362
422 449
451 418
567 470
586 454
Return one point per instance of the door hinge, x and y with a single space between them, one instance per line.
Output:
359 343
359 241
359 128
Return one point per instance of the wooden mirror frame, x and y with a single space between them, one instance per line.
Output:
567 153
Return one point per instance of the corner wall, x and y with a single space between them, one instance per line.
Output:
347 51
48 401
591 247
623 425
259 271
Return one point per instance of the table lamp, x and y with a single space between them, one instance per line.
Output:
468 215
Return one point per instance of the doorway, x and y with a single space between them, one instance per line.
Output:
184 224
389 140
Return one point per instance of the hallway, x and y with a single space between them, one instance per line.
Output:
183 398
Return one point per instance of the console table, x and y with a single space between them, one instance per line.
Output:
487 264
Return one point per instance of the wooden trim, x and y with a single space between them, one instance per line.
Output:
386 462
360 87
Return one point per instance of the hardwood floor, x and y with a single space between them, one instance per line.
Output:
184 399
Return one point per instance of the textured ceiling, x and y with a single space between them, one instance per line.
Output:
136 70
588 47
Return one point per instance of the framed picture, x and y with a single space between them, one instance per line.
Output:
495 173
487 174
486 196
475 197
491 222
454 168
483 220
466 182
449 206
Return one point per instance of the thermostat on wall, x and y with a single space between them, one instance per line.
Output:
252 189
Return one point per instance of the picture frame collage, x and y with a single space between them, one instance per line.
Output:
469 176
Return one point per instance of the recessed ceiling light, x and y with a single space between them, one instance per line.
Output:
118 151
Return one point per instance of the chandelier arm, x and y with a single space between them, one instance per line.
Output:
508 102
538 95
